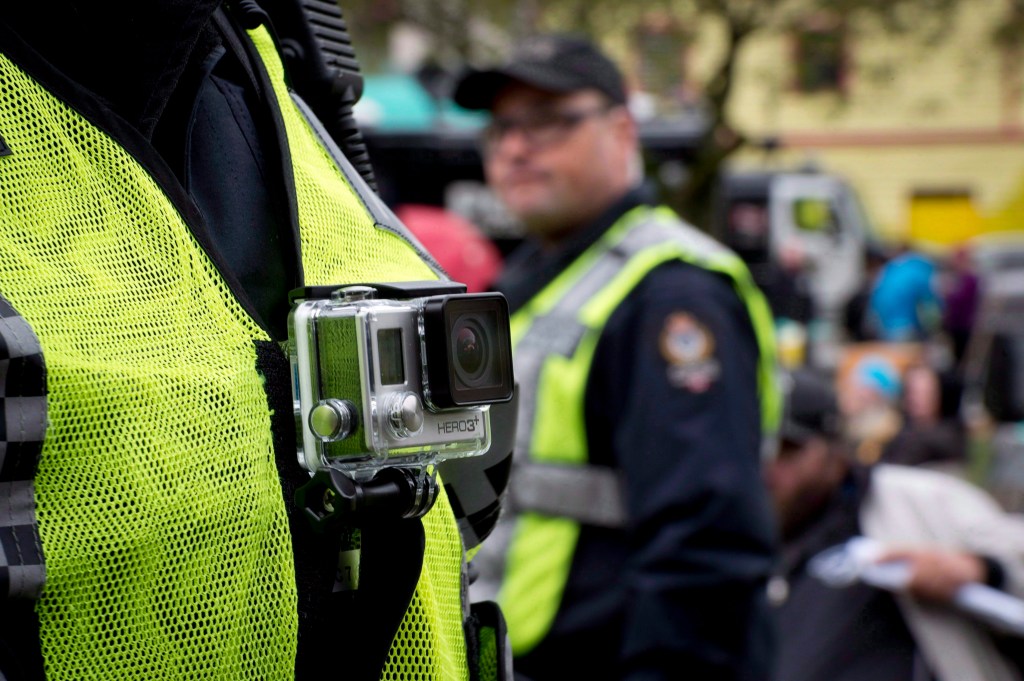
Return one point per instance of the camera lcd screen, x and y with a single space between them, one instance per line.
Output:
389 349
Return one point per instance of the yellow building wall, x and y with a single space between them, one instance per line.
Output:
888 177
917 122
919 119
895 82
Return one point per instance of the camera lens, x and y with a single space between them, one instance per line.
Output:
470 342
469 350
467 354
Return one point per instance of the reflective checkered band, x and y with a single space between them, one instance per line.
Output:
22 427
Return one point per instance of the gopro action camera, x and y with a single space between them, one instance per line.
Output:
395 375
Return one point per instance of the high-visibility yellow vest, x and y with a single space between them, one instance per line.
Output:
160 510
554 337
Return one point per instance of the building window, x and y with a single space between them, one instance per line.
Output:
660 44
820 56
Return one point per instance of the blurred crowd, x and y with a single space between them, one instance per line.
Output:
882 447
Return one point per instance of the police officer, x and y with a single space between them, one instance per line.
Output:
162 188
641 537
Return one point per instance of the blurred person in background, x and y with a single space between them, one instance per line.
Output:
949 532
961 297
870 405
640 537
905 305
855 312
932 432
786 284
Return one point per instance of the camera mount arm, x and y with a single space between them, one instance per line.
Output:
332 500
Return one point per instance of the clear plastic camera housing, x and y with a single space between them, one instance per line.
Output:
361 390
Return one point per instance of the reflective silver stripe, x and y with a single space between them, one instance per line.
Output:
17 336
24 418
554 333
19 506
383 217
24 421
593 495
20 549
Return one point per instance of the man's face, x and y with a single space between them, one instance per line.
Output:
801 479
922 395
558 161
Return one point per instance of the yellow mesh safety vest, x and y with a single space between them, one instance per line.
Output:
159 506
554 338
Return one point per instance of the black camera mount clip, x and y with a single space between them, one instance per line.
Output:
332 499
395 291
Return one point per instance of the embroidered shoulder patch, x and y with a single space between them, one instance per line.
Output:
688 348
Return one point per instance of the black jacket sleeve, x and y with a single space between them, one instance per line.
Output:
672 401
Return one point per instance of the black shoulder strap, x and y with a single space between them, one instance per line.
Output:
322 67
232 42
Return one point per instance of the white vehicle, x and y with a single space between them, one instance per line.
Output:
810 222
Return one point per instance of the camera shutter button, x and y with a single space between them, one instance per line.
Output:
405 414
332 420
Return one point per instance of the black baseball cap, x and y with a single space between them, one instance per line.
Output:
560 63
810 407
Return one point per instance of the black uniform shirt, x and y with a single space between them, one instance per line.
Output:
680 592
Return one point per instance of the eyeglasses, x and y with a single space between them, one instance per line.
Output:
538 130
